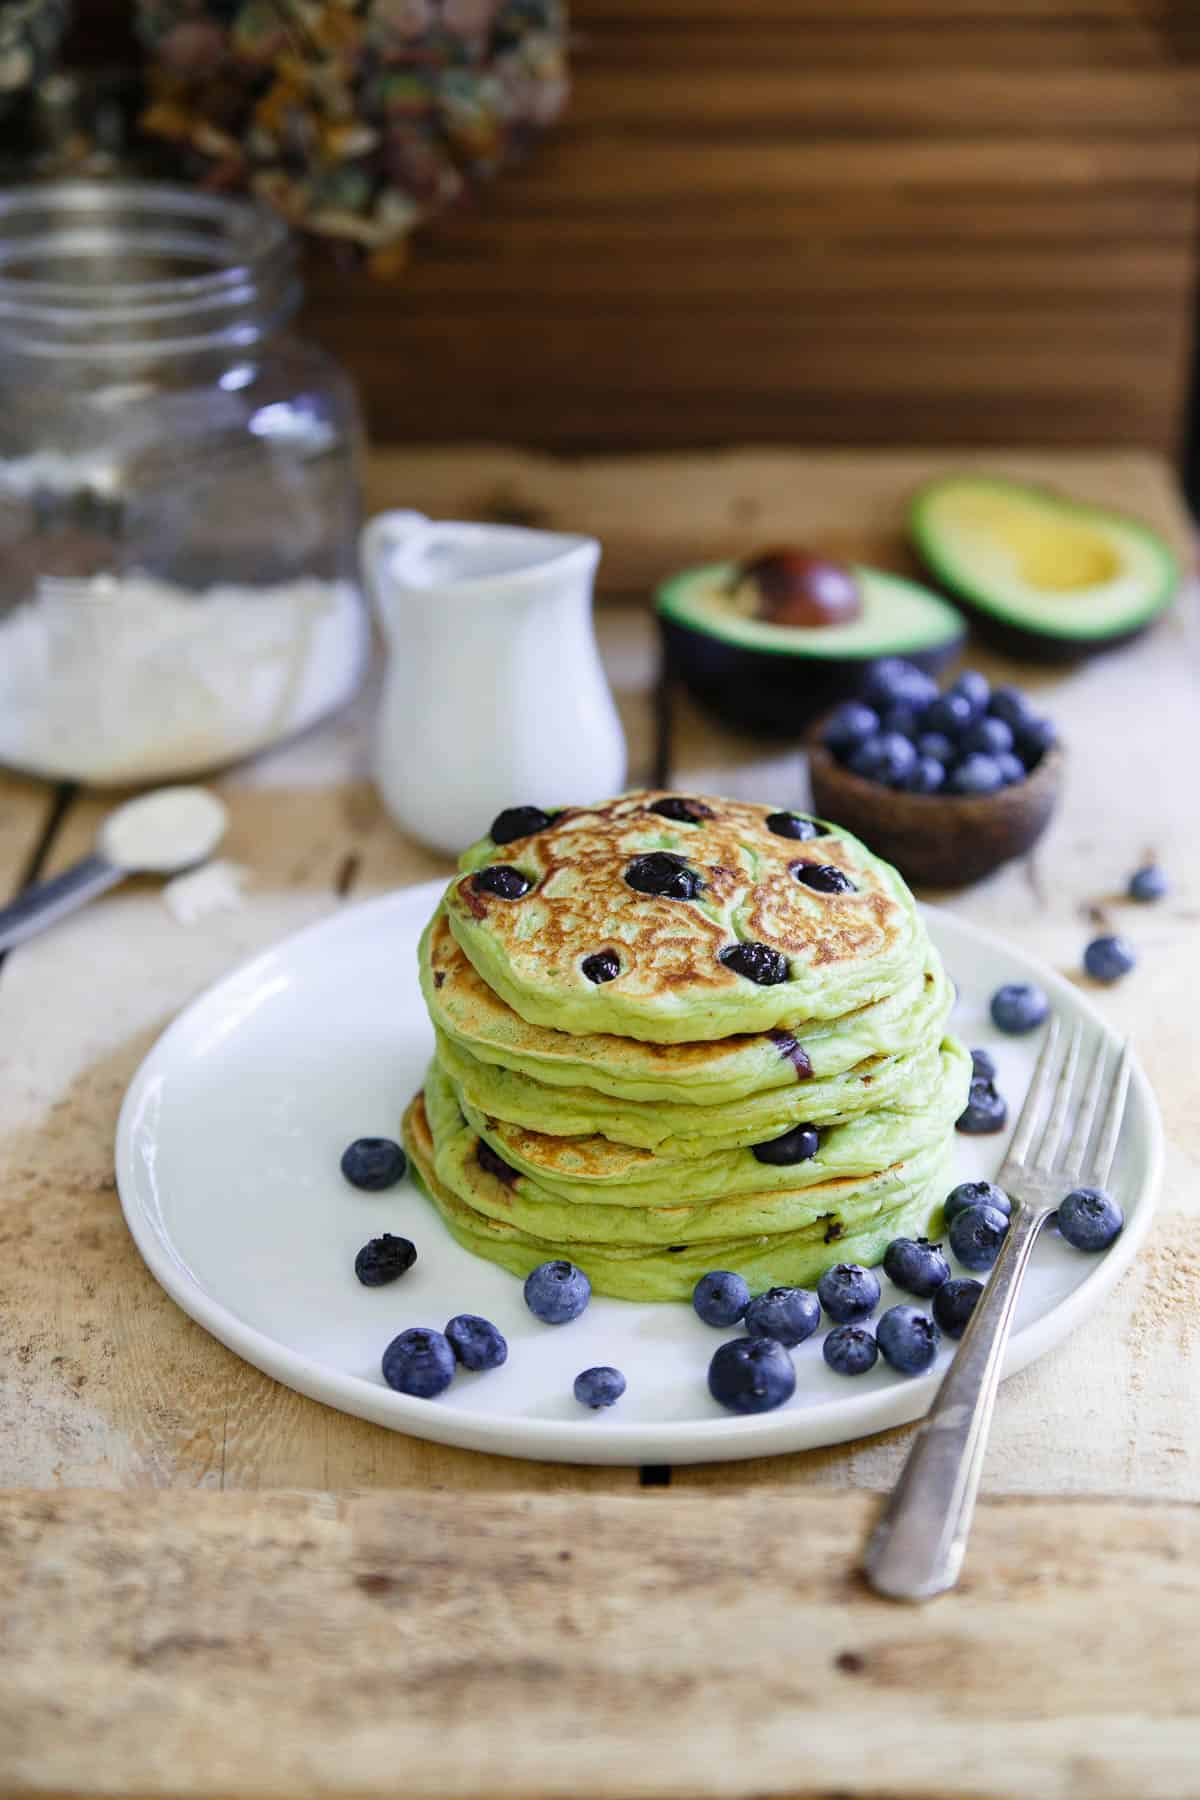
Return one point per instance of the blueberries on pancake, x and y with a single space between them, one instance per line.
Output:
495 1165
823 878
757 962
503 880
794 825
685 811
518 822
665 875
604 965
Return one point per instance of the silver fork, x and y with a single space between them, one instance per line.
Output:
917 1548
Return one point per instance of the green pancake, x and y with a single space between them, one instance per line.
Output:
637 1272
466 1010
837 951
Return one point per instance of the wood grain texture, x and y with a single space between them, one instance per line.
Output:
602 1647
896 221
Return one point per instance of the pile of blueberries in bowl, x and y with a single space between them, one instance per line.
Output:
905 733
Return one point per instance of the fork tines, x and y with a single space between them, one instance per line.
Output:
1054 1087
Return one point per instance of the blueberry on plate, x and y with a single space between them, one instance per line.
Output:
907 1339
751 1375
1108 958
915 1265
1018 1007
795 1146
663 874
986 1110
886 758
419 1362
848 1292
796 825
518 822
1090 1219
374 1163
720 1297
502 880
983 1065
992 736
926 776
601 1386
557 1292
949 713
1011 705
975 1193
976 1235
894 682
847 726
787 1314
384 1259
974 688
937 745
756 962
1011 768
954 1303
850 1350
1148 884
976 775
476 1343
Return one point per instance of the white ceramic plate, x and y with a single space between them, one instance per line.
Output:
227 1159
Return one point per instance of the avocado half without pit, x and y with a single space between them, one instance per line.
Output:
769 643
1042 576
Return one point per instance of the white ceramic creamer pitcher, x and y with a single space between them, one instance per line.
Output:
494 694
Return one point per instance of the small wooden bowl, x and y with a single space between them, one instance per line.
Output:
937 840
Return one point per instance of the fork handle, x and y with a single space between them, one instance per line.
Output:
917 1547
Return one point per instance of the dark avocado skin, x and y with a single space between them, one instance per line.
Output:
1026 645
772 695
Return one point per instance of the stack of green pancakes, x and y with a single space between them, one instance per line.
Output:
677 1034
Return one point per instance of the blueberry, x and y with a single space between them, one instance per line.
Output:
886 758
954 1303
992 736
1011 768
476 1342
795 1146
925 777
602 1386
975 690
985 1111
384 1259
518 822
720 1297
787 1314
374 1164
823 878
975 1193
983 1066
488 1159
848 1292
503 880
757 962
908 1339
683 810
949 713
602 965
795 825
1148 883
915 1265
976 774
849 1350
1108 958
903 719
1034 736
892 681
848 726
1090 1219
419 1362
937 745
663 874
976 1235
1011 705
1018 1007
751 1375
557 1292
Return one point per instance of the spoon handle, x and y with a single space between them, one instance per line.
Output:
52 900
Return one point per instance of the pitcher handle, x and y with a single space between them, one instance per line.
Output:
379 538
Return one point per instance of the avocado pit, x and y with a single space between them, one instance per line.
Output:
797 587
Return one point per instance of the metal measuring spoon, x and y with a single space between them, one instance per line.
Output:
158 834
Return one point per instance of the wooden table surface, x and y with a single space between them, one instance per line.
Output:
501 1627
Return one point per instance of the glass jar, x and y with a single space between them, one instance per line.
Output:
179 501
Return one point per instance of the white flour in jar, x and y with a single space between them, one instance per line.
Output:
127 678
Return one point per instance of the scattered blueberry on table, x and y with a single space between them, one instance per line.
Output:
954 1303
915 1265
1018 1007
787 1314
1108 958
907 1339
850 1350
848 1292
1090 1219
751 1375
976 1235
477 1343
975 1193
1148 884
384 1259
557 1292
986 1110
720 1297
374 1163
602 1386
419 1362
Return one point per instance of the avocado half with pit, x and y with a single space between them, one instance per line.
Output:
1042 576
771 643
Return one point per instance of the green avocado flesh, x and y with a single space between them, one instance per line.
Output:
898 617
1040 564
